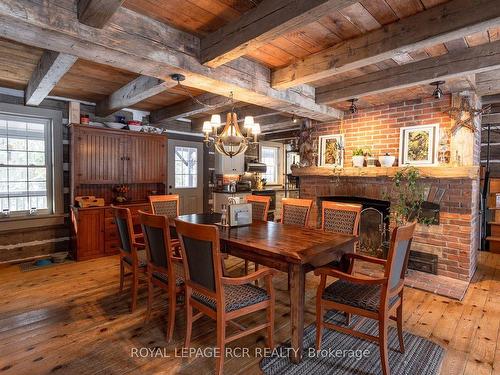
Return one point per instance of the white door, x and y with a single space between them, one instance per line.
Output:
185 174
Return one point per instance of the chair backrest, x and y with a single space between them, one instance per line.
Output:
296 211
260 206
201 256
125 227
167 205
397 258
157 239
340 217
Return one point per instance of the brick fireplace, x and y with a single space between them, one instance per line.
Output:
455 239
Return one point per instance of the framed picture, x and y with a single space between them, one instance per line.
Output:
418 145
330 150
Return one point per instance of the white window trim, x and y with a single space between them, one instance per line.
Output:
57 188
281 161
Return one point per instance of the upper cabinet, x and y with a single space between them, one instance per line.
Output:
103 156
226 165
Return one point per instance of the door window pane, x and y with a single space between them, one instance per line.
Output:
24 164
270 157
186 167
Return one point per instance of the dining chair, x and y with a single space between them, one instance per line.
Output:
164 269
260 208
221 298
374 298
296 211
342 218
132 253
167 205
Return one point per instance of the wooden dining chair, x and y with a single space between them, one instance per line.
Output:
221 298
260 208
132 253
375 298
296 211
164 269
167 205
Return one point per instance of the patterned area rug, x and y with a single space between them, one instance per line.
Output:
343 354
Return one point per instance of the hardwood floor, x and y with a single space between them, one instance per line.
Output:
71 319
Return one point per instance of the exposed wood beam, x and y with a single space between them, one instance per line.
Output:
183 126
189 107
488 83
261 25
472 60
280 135
132 93
49 70
278 126
490 99
96 13
492 118
145 46
443 23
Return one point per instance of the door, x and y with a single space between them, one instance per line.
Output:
100 156
146 159
185 174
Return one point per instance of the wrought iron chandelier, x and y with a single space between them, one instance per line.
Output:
230 141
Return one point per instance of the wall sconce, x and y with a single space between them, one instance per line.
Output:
438 93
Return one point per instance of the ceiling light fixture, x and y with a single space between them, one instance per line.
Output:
353 109
438 93
230 141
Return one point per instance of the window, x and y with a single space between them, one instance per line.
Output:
186 167
269 155
25 165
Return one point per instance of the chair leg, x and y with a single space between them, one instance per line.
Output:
400 328
270 328
221 338
384 355
135 286
150 298
246 267
172 305
189 321
347 319
122 274
319 327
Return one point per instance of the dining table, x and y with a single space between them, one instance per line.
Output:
288 248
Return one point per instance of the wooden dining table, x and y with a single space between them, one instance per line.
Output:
287 248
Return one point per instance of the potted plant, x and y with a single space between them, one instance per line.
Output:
358 157
386 160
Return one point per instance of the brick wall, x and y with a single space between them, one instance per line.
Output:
456 239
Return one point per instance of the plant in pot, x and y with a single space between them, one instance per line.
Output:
358 157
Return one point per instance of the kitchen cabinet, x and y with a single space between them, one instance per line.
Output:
226 165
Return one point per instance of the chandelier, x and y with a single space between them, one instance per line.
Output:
230 141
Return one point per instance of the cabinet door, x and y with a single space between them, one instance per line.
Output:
100 157
227 165
90 234
146 159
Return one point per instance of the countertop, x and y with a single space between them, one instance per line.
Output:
274 188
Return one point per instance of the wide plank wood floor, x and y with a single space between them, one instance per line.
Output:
70 319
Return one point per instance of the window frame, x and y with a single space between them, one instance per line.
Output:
189 174
54 139
279 162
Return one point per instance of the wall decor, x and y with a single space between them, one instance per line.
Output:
306 143
331 150
418 145
464 115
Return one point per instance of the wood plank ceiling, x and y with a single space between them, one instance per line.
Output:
91 81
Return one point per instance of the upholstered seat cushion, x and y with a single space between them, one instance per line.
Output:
236 297
363 296
179 274
141 256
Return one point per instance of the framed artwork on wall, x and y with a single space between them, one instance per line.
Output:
418 145
331 150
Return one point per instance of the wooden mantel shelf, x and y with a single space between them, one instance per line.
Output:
471 172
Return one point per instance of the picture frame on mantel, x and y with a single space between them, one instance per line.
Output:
331 150
418 145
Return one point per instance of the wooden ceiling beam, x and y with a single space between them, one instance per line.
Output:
440 24
490 99
96 13
136 91
464 62
189 107
261 25
145 46
50 69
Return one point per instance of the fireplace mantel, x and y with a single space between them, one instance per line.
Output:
471 172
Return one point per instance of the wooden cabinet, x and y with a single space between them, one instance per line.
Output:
146 159
226 165
95 230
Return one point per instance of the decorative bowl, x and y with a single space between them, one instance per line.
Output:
386 160
135 128
114 125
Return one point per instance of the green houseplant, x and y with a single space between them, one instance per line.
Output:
358 157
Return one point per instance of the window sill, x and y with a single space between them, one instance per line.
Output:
23 222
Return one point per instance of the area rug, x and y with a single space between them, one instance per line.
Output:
344 354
